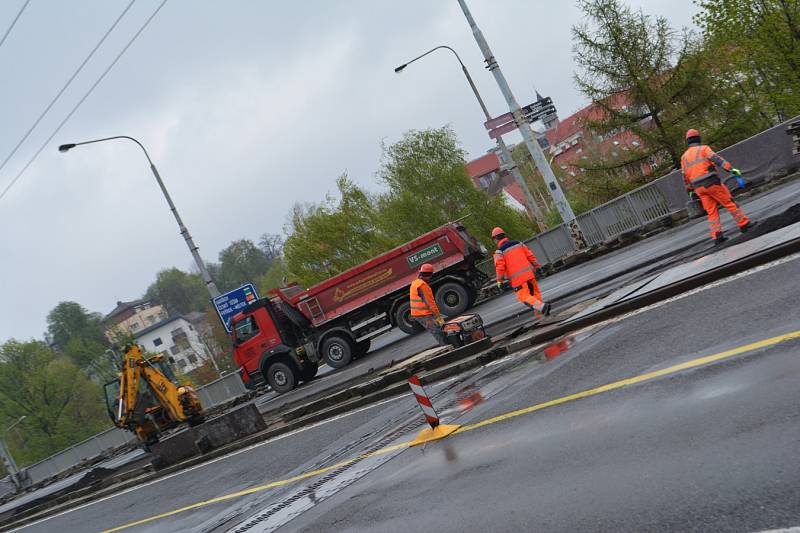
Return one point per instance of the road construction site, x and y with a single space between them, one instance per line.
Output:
666 370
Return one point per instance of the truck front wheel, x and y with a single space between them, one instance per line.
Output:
281 376
337 351
452 299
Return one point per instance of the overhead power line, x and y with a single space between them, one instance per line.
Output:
14 22
66 85
85 96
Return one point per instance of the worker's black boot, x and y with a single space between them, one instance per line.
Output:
747 227
720 238
546 309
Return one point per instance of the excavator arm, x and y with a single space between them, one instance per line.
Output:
147 400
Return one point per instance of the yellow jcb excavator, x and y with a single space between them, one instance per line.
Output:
146 399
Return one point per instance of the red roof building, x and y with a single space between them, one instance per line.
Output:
573 142
485 174
567 143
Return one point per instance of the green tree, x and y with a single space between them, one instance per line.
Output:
759 42
62 406
241 262
80 336
271 244
180 292
276 277
654 81
70 320
428 185
330 237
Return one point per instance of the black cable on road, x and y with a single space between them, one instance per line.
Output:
66 85
14 22
80 102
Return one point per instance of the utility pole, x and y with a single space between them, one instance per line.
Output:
532 144
7 458
506 161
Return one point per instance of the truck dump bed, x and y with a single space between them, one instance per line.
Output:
443 247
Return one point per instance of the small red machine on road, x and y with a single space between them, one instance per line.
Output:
284 337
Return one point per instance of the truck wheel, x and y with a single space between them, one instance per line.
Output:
452 299
337 351
402 319
362 348
308 371
281 376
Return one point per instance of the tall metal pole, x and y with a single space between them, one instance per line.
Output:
7 458
533 146
506 161
193 249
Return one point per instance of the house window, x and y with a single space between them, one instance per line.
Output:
174 350
193 358
157 341
181 363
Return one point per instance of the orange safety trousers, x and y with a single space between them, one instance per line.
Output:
529 294
715 195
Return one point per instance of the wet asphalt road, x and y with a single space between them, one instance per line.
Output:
396 345
708 449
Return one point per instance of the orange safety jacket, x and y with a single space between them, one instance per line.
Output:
515 262
699 164
422 301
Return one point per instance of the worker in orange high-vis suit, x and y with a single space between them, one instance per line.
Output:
514 262
423 305
700 166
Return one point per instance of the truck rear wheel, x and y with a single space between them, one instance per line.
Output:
402 319
452 298
337 351
281 376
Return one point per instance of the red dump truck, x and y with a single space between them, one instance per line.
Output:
283 338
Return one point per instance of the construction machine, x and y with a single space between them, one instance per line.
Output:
147 399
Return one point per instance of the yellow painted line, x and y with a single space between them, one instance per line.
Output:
572 397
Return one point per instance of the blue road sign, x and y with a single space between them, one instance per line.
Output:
232 302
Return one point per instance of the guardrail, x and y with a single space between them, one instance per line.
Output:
763 156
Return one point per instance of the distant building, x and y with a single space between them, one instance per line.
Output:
133 317
177 338
566 143
485 170
485 175
573 142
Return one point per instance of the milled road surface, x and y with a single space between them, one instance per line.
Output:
396 345
711 447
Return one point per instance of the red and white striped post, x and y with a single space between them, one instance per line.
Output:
423 401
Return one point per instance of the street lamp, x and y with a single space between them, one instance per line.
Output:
5 454
210 285
507 161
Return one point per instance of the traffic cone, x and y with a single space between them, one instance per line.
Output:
436 431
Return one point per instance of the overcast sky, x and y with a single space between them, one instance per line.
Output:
246 107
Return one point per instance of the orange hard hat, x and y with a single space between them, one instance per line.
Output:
692 133
427 268
497 231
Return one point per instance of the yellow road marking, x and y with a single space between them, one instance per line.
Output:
572 397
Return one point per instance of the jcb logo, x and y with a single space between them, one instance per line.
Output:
162 387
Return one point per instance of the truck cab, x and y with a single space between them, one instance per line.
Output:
267 347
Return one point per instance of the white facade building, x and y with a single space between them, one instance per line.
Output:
176 338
